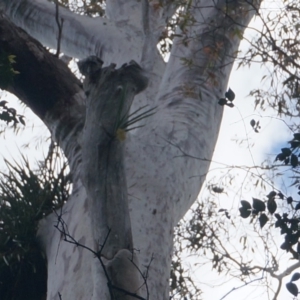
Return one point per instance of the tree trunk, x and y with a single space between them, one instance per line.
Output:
165 161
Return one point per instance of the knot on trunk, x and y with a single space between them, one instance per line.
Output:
130 73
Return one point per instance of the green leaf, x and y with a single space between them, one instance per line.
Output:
280 195
294 160
230 95
222 101
294 144
245 210
246 204
292 239
285 246
263 219
3 103
295 276
7 72
278 216
286 151
272 195
245 213
258 205
280 157
252 123
272 206
292 288
21 119
11 58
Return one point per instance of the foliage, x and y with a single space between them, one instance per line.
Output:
287 218
7 74
9 115
199 235
26 196
292 287
276 45
7 71
229 97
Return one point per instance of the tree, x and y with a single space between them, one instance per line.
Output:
177 118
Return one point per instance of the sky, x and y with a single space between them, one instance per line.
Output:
239 145
252 151
29 140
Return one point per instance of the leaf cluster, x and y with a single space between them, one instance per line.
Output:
287 221
202 235
26 196
229 97
287 155
276 46
9 115
288 224
255 125
7 72
292 287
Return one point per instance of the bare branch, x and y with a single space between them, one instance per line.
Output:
60 23
82 35
241 286
62 228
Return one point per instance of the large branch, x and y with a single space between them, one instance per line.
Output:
81 35
113 42
195 78
152 15
44 83
148 17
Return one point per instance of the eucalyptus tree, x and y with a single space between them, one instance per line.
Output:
120 227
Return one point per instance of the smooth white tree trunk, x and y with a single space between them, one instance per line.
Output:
166 160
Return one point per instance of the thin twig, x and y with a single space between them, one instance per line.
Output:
144 275
241 286
59 23
134 295
62 228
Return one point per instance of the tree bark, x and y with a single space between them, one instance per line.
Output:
110 93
